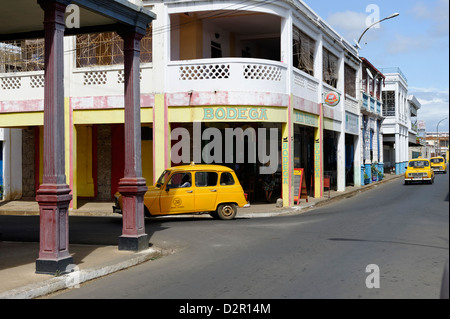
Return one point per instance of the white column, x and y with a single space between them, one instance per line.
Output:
12 164
341 138
381 145
357 159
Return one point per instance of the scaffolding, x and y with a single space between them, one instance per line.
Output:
22 55
94 49
304 48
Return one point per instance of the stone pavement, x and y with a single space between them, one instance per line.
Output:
17 259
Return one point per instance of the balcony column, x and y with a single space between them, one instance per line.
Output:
54 195
132 186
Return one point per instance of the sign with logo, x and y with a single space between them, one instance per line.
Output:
332 99
351 123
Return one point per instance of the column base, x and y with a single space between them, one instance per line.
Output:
54 267
137 243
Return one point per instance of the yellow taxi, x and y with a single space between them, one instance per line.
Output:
419 170
438 164
211 189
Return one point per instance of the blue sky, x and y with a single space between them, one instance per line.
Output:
417 41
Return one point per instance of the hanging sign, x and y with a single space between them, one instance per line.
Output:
332 99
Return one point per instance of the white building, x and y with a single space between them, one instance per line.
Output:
396 125
227 59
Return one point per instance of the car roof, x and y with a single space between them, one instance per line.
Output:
437 157
201 167
419 159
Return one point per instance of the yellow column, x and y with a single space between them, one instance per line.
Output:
161 137
74 168
318 157
69 144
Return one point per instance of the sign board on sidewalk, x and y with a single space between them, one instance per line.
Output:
300 190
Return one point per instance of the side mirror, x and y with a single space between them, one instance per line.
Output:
167 188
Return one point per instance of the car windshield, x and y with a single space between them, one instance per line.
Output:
437 160
418 164
163 178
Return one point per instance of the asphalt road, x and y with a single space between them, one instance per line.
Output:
393 238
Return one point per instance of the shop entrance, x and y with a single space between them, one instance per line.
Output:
245 160
349 160
304 154
330 142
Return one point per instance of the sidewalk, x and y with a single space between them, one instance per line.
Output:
17 259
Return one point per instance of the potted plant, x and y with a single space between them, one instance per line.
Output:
374 169
380 176
366 179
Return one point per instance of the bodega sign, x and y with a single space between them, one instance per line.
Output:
332 99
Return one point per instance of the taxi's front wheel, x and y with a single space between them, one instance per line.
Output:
227 211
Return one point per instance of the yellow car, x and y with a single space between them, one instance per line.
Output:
419 170
211 189
438 164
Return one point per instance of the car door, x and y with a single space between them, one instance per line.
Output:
178 194
205 191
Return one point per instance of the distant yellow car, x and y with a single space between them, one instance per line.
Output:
419 170
211 189
438 164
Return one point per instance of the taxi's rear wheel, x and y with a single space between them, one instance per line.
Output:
227 211
147 212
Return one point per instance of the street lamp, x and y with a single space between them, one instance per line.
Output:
438 150
387 18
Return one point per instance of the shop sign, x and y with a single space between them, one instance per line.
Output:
317 168
332 99
234 113
351 123
285 161
306 119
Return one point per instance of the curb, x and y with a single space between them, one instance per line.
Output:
77 277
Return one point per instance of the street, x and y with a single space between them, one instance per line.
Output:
329 252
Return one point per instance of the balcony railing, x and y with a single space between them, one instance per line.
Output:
227 74
22 86
93 81
388 111
394 70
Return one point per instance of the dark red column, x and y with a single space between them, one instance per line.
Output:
132 186
53 195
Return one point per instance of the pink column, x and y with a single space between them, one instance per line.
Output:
132 186
53 195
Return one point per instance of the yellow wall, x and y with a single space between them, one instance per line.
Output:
191 38
85 181
147 160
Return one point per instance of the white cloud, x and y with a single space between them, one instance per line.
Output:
435 107
349 24
401 44
437 14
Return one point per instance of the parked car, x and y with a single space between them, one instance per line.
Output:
438 164
419 170
211 189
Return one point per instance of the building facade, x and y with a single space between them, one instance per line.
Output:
372 168
206 66
396 125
